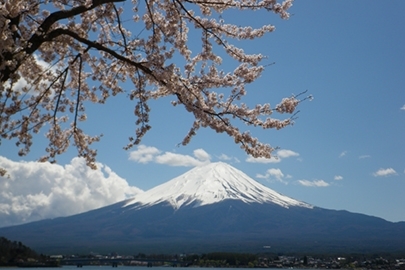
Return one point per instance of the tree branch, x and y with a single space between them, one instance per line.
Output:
92 44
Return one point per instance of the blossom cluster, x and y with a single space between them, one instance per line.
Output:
55 56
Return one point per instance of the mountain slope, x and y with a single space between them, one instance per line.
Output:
211 208
210 184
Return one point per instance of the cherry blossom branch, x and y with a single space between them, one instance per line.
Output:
40 36
120 26
91 35
92 44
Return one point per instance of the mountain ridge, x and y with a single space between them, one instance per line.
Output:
232 223
212 183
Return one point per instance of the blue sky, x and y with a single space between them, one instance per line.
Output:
345 151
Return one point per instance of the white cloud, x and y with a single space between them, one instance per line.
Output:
173 159
286 153
200 154
228 158
274 174
364 156
281 154
338 177
224 157
385 172
32 191
262 160
144 154
343 154
314 183
403 108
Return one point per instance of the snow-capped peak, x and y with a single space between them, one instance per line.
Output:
210 184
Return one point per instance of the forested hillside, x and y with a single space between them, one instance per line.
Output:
14 253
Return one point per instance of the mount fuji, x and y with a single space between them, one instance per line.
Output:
214 207
211 184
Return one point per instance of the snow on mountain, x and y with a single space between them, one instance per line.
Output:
209 184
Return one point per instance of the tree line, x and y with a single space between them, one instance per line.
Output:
13 252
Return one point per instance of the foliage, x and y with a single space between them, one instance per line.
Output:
57 56
12 251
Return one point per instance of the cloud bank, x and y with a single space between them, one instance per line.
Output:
149 154
32 191
146 154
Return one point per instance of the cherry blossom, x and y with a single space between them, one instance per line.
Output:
90 48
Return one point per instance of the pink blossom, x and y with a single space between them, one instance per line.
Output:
86 52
